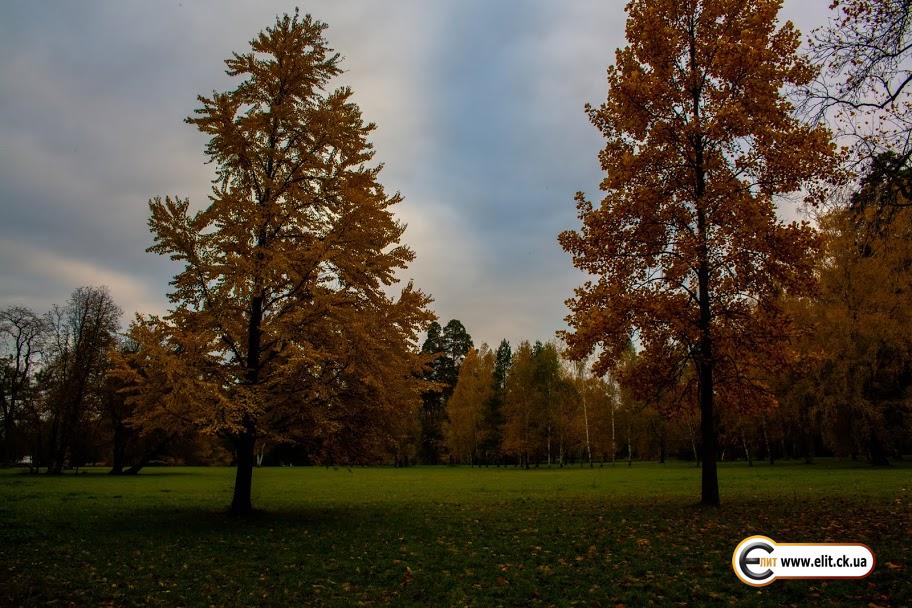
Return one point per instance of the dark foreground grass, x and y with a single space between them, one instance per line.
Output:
443 536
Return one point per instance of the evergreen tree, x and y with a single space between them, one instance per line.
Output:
447 346
493 415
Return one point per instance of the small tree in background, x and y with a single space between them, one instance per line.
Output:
520 395
83 332
22 340
465 427
447 347
493 413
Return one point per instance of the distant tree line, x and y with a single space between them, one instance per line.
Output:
61 405
840 385
66 400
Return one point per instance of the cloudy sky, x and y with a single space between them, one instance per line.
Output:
481 127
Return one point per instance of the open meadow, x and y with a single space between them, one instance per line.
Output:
443 536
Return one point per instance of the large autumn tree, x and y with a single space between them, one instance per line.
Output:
686 250
282 326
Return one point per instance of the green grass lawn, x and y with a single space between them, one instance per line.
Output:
443 536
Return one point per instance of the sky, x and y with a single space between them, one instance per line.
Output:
479 107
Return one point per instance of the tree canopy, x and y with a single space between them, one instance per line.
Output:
281 314
687 253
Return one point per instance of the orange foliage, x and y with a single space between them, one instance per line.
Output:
282 326
686 251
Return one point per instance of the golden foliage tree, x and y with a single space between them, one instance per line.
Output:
282 327
686 250
599 403
464 432
521 395
857 355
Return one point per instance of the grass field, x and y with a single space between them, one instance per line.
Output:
443 536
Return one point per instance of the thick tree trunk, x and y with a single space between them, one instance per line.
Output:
709 494
53 443
120 448
241 504
245 443
66 427
147 455
808 447
710 480
705 363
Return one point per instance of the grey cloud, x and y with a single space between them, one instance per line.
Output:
481 127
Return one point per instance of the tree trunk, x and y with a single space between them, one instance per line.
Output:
261 453
693 441
808 447
245 443
766 441
613 436
663 447
9 435
586 423
708 427
878 454
549 445
705 363
629 448
241 504
119 452
55 464
136 468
